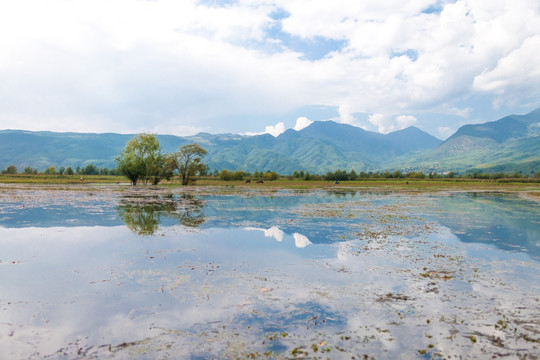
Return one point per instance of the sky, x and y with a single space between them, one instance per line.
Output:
263 66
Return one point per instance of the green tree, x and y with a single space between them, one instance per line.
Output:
227 175
51 170
141 159
189 161
11 169
270 176
29 170
90 169
69 171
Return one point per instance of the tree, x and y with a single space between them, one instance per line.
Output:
69 171
90 169
141 159
227 175
51 170
29 170
270 176
11 169
189 161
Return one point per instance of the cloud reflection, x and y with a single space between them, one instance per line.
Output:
274 232
300 241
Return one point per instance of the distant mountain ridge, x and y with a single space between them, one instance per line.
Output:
506 145
511 142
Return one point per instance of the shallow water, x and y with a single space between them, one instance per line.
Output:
211 273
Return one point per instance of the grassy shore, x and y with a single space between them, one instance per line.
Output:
61 179
529 185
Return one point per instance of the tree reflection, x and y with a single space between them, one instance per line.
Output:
143 214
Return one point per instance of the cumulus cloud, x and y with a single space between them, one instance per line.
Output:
445 131
274 232
386 124
301 123
180 66
516 76
275 130
301 241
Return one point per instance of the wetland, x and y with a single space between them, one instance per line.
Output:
105 271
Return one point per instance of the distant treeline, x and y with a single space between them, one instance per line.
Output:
338 175
343 175
52 170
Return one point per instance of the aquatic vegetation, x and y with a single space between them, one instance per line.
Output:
116 272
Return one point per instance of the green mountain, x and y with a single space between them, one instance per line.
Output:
506 145
320 147
42 149
509 144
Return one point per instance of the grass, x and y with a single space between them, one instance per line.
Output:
298 184
384 184
61 179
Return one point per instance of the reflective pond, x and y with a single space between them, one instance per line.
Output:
154 273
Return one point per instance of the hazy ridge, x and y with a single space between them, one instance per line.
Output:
508 144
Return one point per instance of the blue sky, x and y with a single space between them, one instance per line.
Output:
255 66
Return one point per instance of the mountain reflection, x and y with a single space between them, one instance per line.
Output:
507 222
144 214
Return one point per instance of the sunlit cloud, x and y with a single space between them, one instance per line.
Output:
274 232
301 241
183 67
301 123
386 124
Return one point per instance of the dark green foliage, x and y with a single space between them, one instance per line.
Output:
270 176
142 159
227 175
90 169
338 175
51 170
188 160
30 171
10 170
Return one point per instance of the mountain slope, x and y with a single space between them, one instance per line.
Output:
508 144
320 147
512 142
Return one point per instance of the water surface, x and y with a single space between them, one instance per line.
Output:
116 272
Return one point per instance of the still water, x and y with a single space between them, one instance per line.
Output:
123 273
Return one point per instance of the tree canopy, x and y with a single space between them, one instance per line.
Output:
142 159
189 161
11 169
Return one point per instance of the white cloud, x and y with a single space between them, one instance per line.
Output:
301 123
516 76
386 124
301 241
179 66
445 131
276 130
274 232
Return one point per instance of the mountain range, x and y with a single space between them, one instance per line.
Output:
508 144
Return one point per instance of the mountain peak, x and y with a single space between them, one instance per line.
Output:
508 127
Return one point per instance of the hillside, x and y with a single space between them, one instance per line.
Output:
509 144
321 147
506 145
